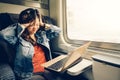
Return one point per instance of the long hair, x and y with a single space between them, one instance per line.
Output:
27 16
25 35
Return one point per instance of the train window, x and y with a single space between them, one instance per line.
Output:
94 20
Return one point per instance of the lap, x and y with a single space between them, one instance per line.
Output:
37 77
47 75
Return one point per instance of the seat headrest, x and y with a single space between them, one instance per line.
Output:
7 19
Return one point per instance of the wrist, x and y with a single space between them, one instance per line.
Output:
44 25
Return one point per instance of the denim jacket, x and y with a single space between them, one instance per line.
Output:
24 50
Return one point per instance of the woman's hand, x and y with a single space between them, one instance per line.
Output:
45 25
25 25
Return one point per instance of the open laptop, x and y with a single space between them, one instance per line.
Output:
63 62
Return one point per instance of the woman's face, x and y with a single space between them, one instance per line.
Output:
34 26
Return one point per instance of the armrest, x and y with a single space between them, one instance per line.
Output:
82 66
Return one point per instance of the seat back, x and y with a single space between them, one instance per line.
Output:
7 52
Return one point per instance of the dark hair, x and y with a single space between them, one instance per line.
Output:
25 35
28 15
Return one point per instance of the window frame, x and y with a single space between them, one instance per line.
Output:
107 46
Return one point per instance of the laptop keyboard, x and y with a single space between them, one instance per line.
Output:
58 64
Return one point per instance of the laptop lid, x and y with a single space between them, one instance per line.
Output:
76 54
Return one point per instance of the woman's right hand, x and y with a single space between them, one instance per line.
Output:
25 25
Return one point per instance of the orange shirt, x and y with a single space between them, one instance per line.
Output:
38 59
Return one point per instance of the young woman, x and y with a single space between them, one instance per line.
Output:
31 37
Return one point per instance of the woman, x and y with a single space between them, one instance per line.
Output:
31 37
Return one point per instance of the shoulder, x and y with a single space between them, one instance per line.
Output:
24 43
9 28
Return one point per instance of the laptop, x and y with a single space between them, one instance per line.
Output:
63 62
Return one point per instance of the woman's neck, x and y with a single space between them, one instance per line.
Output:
33 37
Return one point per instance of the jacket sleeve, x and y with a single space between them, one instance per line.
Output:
11 33
53 31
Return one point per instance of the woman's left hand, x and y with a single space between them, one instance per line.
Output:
47 26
